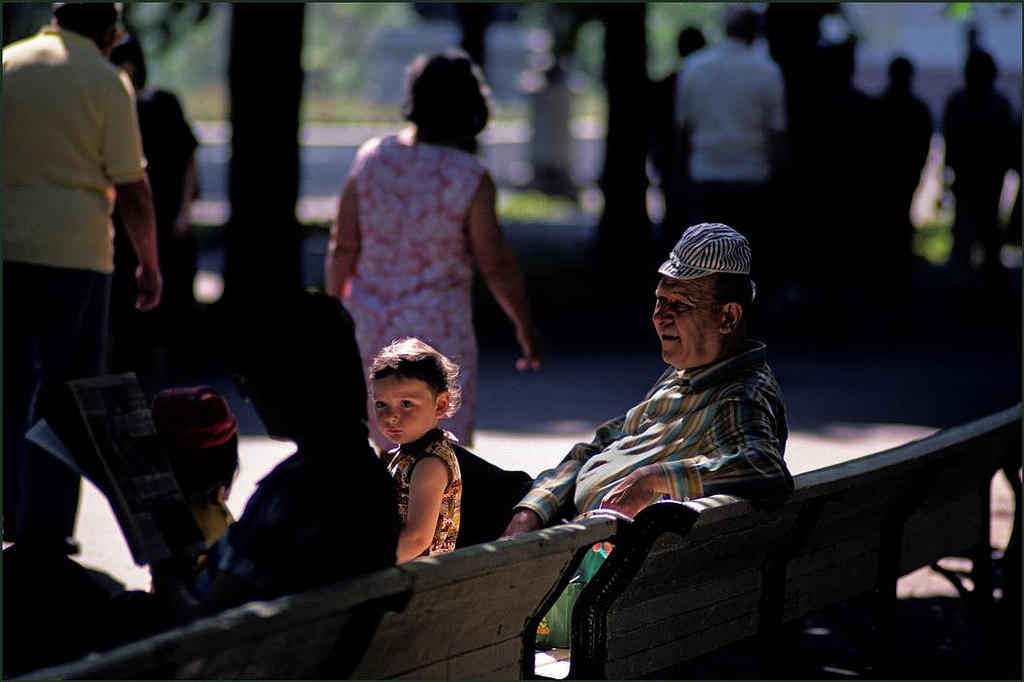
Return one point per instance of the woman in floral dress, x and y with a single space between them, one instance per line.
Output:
415 215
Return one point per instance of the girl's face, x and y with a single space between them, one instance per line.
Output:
404 409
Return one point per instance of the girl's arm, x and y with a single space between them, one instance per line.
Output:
500 269
426 488
345 243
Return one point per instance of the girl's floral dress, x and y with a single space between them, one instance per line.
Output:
404 458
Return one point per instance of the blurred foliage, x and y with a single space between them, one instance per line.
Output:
534 206
23 19
960 11
187 47
186 52
337 40
933 240
159 24
664 22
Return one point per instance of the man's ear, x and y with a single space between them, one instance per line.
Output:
443 399
729 317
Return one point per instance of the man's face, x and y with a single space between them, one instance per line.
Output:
689 322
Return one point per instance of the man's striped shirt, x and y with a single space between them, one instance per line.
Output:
716 429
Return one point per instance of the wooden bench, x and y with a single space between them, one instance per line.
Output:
684 579
687 578
456 616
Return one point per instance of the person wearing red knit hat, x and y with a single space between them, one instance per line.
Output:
200 434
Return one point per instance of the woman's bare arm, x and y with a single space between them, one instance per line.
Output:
345 243
500 269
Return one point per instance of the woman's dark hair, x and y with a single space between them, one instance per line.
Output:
410 358
447 98
129 51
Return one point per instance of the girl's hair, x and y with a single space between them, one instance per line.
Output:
410 358
447 98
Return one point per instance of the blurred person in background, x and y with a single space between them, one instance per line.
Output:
731 127
904 136
977 125
145 343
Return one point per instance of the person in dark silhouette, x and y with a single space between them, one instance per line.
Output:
905 130
55 609
977 125
1013 235
327 512
671 172
144 343
835 190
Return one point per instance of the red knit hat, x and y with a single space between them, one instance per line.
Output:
193 418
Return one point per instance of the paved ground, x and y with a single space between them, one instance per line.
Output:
872 382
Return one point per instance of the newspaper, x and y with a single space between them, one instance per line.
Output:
105 425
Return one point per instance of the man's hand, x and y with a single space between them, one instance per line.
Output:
135 204
149 287
637 490
523 521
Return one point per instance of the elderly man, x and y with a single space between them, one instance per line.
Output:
714 422
71 144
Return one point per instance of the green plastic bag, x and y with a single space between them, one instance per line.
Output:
555 627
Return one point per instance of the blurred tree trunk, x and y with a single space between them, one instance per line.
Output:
624 231
263 237
23 19
474 20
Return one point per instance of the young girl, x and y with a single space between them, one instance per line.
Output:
412 386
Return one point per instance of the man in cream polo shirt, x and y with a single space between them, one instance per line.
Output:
71 145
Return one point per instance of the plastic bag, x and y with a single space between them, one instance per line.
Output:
555 627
